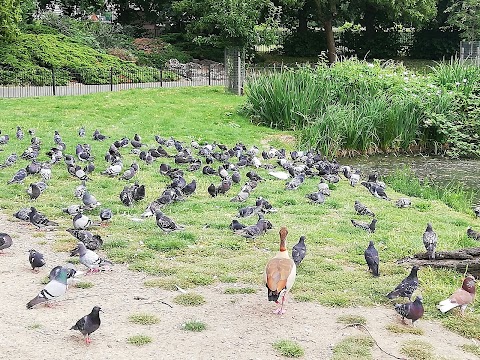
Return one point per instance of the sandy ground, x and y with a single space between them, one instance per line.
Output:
238 326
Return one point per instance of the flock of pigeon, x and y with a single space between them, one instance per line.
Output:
294 168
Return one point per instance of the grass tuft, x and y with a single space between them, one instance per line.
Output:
243 290
404 329
189 299
472 348
288 348
34 326
194 325
352 319
354 347
139 340
417 350
143 319
83 285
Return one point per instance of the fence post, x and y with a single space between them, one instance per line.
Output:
209 74
53 80
111 78
161 77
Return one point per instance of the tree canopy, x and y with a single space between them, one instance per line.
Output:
10 16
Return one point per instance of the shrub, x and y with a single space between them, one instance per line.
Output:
309 43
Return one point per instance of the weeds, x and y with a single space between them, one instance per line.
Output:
354 347
194 325
288 348
143 319
139 340
189 299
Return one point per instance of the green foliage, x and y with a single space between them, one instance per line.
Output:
463 14
189 299
143 319
379 45
243 290
352 319
418 350
404 329
10 16
308 43
139 340
288 348
434 44
355 106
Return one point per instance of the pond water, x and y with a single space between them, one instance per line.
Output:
439 169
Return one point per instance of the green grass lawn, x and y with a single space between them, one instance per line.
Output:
206 252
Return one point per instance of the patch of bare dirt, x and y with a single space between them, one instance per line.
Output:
238 326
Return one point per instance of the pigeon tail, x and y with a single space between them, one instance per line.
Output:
375 270
446 305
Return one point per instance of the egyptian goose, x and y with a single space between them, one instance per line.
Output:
280 274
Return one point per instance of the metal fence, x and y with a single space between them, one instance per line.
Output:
60 81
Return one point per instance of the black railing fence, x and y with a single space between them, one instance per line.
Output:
61 81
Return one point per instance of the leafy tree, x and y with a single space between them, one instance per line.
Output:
465 15
10 16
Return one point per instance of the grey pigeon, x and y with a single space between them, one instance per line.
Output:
236 177
19 176
46 172
73 209
236 225
89 201
33 191
296 182
9 161
369 227
376 190
241 196
165 223
212 190
316 197
19 133
411 310
35 259
253 231
88 324
403 203
114 169
249 211
354 178
39 220
5 242
372 259
54 289
472 234
71 273
81 132
430 241
106 215
476 210
91 259
130 172
91 241
23 214
152 208
80 190
362 209
407 286
299 251
82 221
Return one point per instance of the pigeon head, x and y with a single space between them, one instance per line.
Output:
429 227
414 270
371 243
469 284
302 239
419 298
96 309
82 250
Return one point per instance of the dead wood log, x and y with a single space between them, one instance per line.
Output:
460 260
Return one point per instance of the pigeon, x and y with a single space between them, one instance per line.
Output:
130 172
88 324
430 241
372 259
295 182
80 190
362 209
91 259
89 201
249 211
165 223
253 231
54 289
106 215
316 197
39 220
224 186
475 235
33 191
81 132
190 188
114 169
5 242
73 209
91 241
236 177
299 251
19 134
476 210
9 161
376 190
461 297
407 286
23 214
236 225
282 175
212 190
411 310
280 274
365 226
354 179
46 172
71 273
403 203
36 259
82 221
18 178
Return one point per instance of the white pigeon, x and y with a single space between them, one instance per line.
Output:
91 259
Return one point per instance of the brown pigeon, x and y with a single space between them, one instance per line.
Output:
461 297
411 310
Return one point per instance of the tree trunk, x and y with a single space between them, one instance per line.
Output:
332 50
302 21
462 260
369 21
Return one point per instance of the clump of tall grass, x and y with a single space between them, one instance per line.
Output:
456 75
454 194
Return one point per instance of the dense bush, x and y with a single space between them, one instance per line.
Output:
309 43
355 106
434 44
197 51
156 52
379 45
